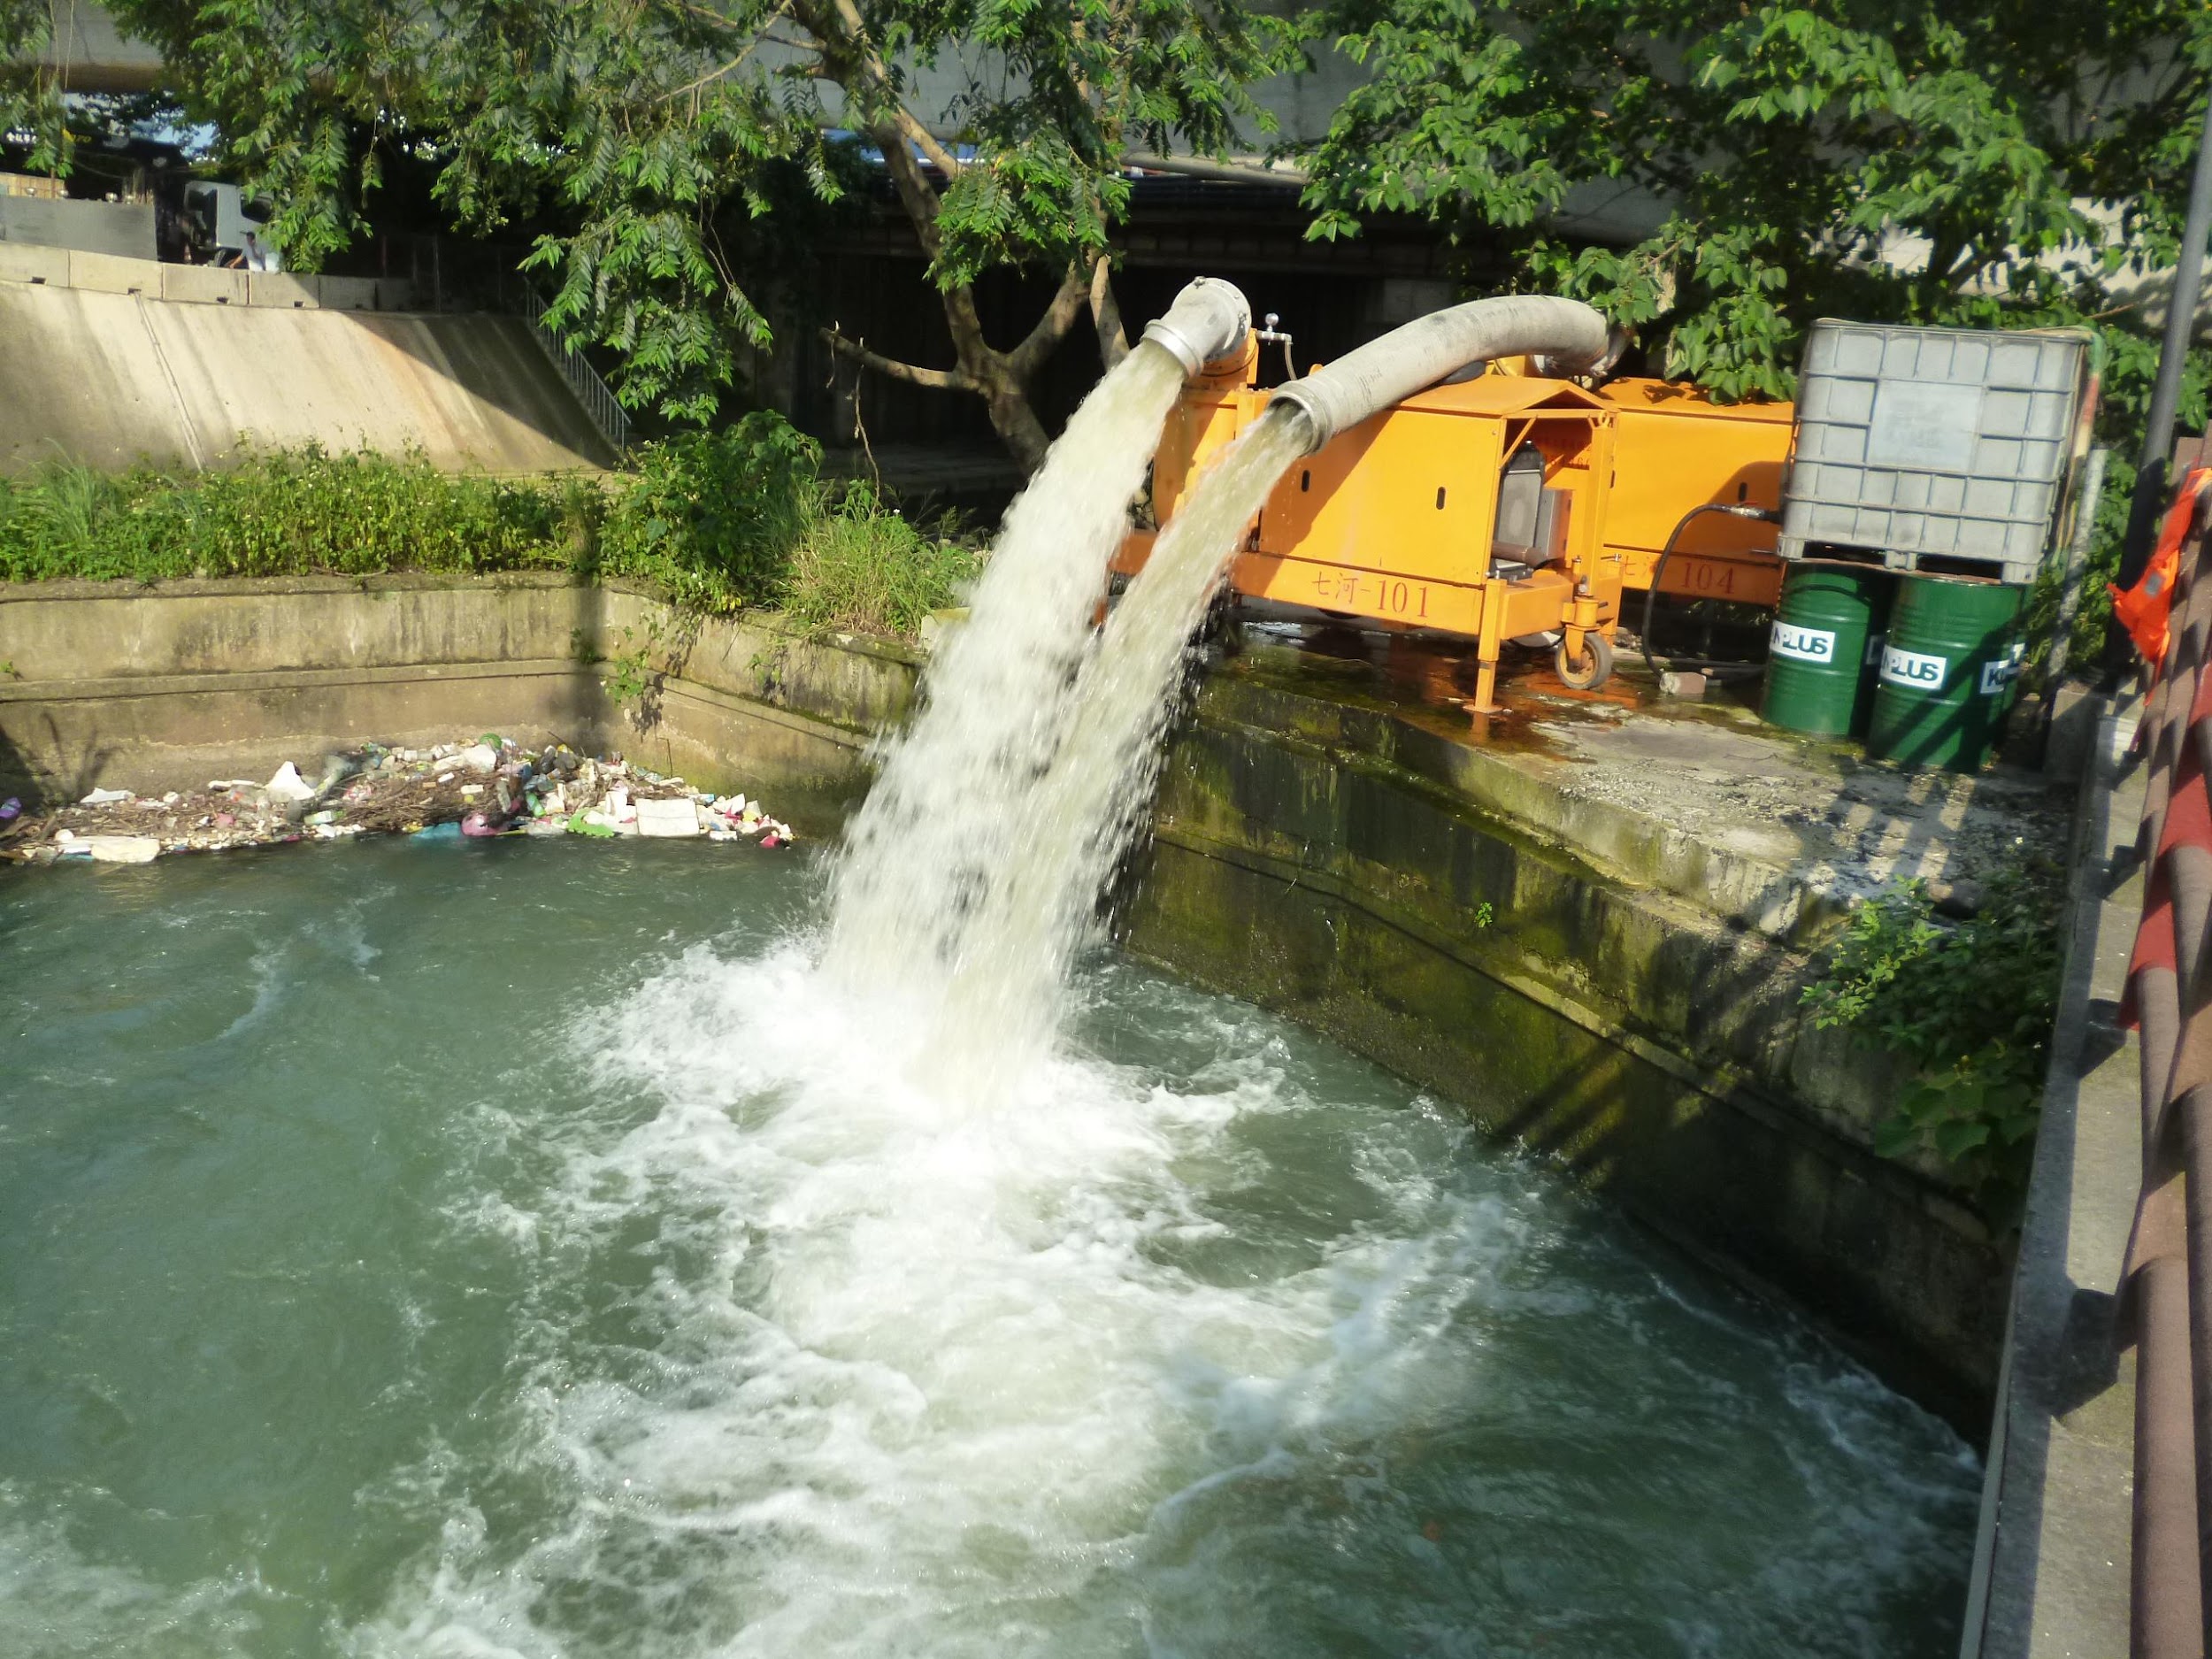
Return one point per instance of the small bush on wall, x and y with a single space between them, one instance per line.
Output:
865 570
713 518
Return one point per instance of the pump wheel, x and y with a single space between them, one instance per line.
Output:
1591 669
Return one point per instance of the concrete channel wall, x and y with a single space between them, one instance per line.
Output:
123 229
2053 1558
1581 984
118 684
1621 1004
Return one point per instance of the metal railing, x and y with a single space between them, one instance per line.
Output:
597 399
2166 1284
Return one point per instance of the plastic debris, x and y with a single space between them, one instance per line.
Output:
121 849
288 784
670 818
445 791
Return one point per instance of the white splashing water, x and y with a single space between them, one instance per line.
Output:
1204 1340
1073 824
937 830
969 879
946 1379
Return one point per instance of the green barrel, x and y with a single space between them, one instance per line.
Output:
1817 662
1946 674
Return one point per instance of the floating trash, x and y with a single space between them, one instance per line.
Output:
288 784
447 792
669 818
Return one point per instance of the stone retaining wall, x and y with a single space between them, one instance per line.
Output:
55 262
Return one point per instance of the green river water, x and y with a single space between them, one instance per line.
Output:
514 1249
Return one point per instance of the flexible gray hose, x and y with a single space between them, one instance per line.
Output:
1406 360
1207 323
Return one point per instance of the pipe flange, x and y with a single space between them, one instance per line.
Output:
1207 323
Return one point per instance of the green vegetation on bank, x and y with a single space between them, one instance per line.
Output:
1968 1004
862 570
716 521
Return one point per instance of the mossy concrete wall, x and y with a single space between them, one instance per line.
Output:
1571 994
118 684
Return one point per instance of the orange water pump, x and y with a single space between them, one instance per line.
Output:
1495 507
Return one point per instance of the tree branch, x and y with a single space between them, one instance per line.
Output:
843 32
738 62
891 368
1113 339
871 63
926 142
1067 304
915 196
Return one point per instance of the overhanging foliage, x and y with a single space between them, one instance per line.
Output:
1932 162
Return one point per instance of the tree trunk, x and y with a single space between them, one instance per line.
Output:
1113 339
1014 419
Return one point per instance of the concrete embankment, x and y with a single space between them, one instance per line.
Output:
1616 996
1616 989
111 362
119 685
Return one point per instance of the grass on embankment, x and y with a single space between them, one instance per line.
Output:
716 521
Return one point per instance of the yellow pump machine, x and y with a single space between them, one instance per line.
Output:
1495 506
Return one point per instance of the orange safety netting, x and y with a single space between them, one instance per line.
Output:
2143 609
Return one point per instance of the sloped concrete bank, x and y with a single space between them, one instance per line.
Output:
120 685
111 362
1617 999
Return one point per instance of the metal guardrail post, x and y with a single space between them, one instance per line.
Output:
2166 1286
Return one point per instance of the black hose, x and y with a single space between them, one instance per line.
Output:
1734 509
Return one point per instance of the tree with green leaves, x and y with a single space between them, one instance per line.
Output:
33 114
1942 162
632 124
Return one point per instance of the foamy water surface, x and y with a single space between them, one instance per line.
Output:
522 1250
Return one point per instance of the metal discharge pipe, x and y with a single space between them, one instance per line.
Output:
1385 371
1207 323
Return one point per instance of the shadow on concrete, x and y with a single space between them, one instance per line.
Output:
75 764
496 359
2102 1036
